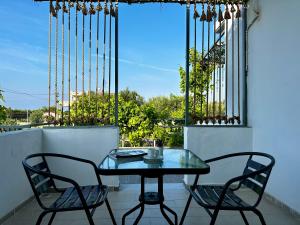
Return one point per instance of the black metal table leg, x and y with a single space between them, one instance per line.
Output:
151 198
162 207
137 220
140 205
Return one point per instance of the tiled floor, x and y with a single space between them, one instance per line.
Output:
176 197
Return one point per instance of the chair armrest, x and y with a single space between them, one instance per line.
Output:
57 177
229 156
236 179
76 159
63 179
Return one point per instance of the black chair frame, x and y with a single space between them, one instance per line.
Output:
228 187
42 173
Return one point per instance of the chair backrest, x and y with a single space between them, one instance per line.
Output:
258 182
38 174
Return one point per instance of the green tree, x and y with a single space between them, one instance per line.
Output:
3 114
168 107
141 125
200 74
133 96
138 120
36 117
10 122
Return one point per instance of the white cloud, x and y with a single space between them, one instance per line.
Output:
143 65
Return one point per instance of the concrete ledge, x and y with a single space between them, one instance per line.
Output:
79 127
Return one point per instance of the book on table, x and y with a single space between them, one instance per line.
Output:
130 154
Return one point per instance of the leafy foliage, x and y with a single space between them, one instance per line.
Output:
3 114
36 117
201 75
168 107
139 120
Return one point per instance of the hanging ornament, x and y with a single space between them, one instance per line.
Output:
84 9
221 18
112 11
106 10
214 12
78 6
57 6
209 14
71 4
99 6
92 10
64 7
227 13
203 15
232 10
238 12
196 14
52 10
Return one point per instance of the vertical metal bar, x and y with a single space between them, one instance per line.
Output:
202 75
63 67
245 97
187 64
83 94
207 72
97 63
104 55
195 63
109 68
220 72
69 64
56 66
226 71
76 62
232 68
49 59
90 64
214 78
116 63
239 68
104 61
220 93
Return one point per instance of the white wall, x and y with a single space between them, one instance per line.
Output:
84 142
209 142
14 147
273 82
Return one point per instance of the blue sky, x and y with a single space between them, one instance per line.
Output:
151 48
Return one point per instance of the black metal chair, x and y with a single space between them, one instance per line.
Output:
75 197
223 197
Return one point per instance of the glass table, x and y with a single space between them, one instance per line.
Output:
155 164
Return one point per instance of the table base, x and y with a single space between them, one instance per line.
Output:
151 198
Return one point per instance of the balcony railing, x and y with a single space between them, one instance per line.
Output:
216 78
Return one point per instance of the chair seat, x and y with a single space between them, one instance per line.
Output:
94 195
209 195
